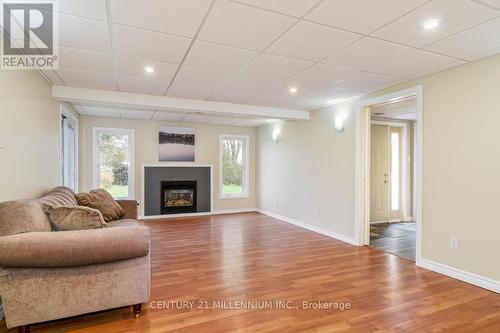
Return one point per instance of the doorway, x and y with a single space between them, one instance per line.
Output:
389 184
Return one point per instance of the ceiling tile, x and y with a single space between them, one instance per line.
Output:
275 67
367 82
251 84
361 15
314 42
192 91
233 96
323 97
136 114
178 17
478 41
495 4
145 44
98 111
52 76
289 7
455 16
83 33
95 9
239 25
484 54
166 116
367 53
228 121
198 118
85 60
322 75
194 82
87 79
416 64
142 86
280 95
219 57
135 67
201 76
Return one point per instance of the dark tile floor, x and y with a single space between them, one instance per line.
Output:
396 238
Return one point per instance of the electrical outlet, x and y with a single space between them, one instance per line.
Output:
317 212
2 142
277 202
454 243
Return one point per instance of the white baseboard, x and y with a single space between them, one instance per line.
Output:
310 227
216 212
461 275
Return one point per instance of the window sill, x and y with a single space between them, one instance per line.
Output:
228 197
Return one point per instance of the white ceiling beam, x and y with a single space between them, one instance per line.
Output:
131 100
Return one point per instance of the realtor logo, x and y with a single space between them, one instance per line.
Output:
29 38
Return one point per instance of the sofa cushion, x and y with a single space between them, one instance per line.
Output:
103 201
123 223
22 216
58 196
75 218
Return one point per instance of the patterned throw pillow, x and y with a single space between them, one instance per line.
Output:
65 218
103 201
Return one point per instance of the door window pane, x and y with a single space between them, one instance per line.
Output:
395 171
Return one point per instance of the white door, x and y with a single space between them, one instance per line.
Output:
379 189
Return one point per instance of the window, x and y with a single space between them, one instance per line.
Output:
233 182
69 150
113 161
395 171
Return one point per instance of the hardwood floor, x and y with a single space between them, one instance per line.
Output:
397 238
254 257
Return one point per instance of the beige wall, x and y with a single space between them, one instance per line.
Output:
29 127
314 167
310 168
146 151
461 161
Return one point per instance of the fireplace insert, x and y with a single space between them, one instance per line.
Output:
178 197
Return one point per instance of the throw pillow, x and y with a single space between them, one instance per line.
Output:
103 201
75 218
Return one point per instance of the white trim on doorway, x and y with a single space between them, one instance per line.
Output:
362 191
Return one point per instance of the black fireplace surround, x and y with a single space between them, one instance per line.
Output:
178 197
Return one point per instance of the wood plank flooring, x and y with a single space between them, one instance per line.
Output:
397 238
254 257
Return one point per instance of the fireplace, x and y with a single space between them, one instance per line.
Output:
178 197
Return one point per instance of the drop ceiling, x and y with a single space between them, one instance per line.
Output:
169 116
254 51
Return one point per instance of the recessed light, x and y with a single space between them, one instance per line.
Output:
149 69
293 90
431 24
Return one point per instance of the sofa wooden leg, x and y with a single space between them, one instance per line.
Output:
137 310
24 329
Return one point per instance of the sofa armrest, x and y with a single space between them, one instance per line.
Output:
73 248
129 208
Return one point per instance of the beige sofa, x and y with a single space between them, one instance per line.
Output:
47 275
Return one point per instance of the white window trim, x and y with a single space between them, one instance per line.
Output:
65 112
246 167
131 154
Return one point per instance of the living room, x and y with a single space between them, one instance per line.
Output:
206 166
